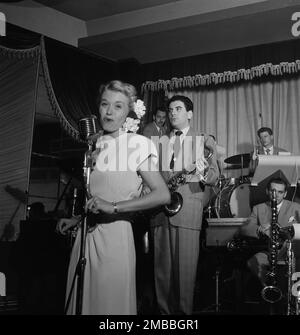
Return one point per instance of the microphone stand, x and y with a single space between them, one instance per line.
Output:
80 267
82 260
88 132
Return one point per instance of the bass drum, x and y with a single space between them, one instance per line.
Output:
232 201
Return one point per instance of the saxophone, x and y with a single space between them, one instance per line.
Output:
179 179
272 293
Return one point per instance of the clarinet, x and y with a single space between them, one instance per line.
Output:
272 293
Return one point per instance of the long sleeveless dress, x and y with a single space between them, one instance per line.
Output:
109 278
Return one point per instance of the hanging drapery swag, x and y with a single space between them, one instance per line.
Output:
52 98
19 53
39 51
223 77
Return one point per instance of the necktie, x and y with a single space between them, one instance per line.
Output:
176 148
268 151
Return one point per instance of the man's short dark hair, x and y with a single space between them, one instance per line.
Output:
277 180
263 129
161 108
187 101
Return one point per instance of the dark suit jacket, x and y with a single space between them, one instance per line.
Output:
151 130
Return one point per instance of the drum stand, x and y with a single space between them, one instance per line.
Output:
216 307
243 179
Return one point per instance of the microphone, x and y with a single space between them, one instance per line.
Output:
88 128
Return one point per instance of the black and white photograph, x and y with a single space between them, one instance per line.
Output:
150 160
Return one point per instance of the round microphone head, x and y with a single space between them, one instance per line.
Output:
88 127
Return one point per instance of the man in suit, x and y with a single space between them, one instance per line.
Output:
265 135
158 126
259 224
177 238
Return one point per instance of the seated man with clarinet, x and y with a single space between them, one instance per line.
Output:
272 223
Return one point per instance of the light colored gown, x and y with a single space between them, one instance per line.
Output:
109 279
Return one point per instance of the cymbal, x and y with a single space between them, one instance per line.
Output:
242 159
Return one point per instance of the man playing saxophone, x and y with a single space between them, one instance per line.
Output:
177 237
260 225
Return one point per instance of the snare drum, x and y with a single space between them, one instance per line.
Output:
232 201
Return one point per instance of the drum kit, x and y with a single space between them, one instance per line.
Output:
231 196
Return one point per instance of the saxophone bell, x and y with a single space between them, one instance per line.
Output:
271 294
176 204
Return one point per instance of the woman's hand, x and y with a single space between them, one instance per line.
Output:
97 204
64 224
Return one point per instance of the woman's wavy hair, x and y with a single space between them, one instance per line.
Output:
119 86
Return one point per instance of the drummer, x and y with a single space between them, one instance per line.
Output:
266 147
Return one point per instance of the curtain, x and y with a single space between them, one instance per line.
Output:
19 75
72 79
72 76
233 113
223 61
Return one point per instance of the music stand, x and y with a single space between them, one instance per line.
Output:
287 167
218 233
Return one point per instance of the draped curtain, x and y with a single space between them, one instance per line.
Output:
234 93
18 85
233 113
72 78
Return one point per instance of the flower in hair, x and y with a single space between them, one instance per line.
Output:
131 124
139 108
